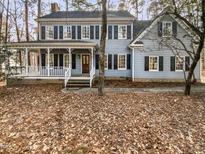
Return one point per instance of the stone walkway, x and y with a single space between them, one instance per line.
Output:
198 89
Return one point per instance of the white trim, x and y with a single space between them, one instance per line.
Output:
125 61
152 70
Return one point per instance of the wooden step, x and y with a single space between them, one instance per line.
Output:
77 83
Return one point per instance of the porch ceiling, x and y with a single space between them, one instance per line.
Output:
77 44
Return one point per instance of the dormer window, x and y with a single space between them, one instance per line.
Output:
49 32
67 32
85 30
167 29
122 31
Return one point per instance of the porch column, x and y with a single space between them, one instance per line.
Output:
69 58
48 61
92 58
26 61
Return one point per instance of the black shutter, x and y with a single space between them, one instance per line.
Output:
43 59
73 61
187 63
128 61
79 32
110 32
161 63
73 32
115 62
128 31
116 32
146 63
60 32
97 32
97 62
174 28
109 61
55 32
55 60
160 29
172 63
43 32
61 60
92 32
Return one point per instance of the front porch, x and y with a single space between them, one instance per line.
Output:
67 62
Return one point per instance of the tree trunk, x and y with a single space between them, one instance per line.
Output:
187 90
66 5
26 20
7 23
39 15
102 49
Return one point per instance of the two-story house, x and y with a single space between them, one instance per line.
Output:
67 49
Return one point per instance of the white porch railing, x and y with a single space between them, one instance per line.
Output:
92 75
67 76
41 71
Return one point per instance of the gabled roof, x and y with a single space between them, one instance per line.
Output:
139 26
87 14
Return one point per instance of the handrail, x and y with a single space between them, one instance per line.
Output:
92 74
67 76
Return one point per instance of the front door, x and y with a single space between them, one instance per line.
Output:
85 63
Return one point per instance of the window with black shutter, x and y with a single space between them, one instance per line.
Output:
110 32
43 59
73 32
172 63
160 29
146 63
79 32
128 31
73 61
128 61
43 32
55 32
115 62
109 61
60 32
97 32
92 32
187 63
115 32
97 62
161 63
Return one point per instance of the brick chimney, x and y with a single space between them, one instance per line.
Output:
54 7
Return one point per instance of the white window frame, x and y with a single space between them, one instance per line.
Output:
65 31
87 26
183 58
106 58
47 32
64 60
153 70
125 68
51 60
163 25
120 35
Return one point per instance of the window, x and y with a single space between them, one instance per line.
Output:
122 62
106 61
66 60
49 32
85 32
179 63
153 63
122 32
67 32
167 29
51 60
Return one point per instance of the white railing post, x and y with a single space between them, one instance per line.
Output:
26 61
48 61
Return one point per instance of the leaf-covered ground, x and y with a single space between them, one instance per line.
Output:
42 119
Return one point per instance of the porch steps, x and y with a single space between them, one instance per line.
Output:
78 83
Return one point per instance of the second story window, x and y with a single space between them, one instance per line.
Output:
122 32
167 29
85 30
49 32
67 32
